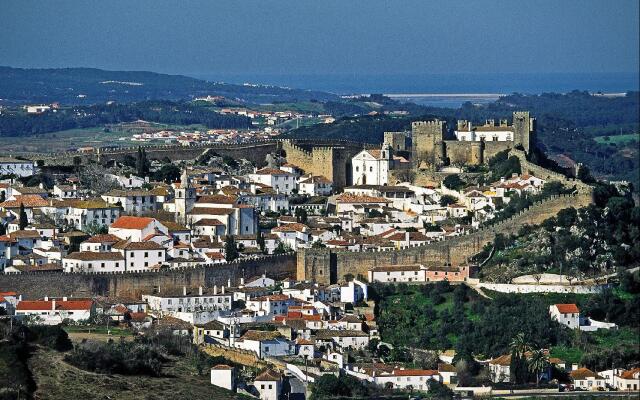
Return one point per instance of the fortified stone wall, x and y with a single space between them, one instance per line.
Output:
528 167
333 162
329 266
40 284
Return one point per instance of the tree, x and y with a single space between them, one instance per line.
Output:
519 348
281 249
318 245
142 164
24 220
538 362
454 182
301 215
584 174
447 199
260 241
94 228
168 173
230 248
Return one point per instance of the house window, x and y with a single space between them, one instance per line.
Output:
159 254
146 254
102 265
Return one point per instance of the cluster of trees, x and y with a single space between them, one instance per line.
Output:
126 358
440 316
593 240
17 123
501 165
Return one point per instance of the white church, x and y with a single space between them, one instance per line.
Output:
371 167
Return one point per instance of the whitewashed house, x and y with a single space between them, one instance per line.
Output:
54 311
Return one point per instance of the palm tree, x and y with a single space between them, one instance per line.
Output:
538 362
519 345
519 348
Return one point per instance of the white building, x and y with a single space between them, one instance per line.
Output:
315 186
141 256
275 304
12 166
586 379
132 201
189 300
345 339
54 311
223 376
371 167
269 385
566 314
418 379
280 181
136 228
489 132
265 343
353 292
89 261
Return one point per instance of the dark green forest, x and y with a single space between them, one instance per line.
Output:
19 86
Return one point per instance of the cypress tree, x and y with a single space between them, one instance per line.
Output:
24 220
230 249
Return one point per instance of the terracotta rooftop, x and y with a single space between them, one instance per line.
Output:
95 256
130 222
268 375
567 308
105 238
584 373
28 200
42 305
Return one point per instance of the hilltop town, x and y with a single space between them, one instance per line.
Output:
287 267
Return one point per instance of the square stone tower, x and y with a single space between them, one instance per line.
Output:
523 130
427 139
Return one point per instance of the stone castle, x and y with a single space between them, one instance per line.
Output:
432 147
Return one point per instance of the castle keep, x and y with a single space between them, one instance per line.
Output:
432 147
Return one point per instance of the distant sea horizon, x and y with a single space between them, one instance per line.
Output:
485 87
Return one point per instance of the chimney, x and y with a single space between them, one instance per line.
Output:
64 298
223 290
228 284
200 291
184 290
46 298
53 305
241 281
215 289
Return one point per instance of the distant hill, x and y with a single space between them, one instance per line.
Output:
91 86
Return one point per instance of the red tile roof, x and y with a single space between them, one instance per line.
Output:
129 222
42 305
567 308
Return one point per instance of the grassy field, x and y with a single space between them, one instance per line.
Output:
55 379
617 139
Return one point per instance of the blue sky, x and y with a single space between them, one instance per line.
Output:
323 37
